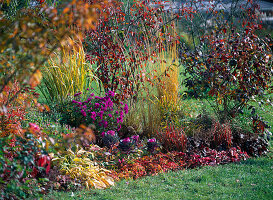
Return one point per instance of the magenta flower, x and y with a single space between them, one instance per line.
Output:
126 140
83 113
111 132
120 119
135 138
126 109
111 93
97 105
104 123
77 94
103 134
153 140
100 114
119 127
34 127
93 115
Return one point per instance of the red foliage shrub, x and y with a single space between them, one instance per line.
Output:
11 114
126 38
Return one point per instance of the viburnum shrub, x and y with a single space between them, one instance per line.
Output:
29 28
13 112
229 63
172 139
99 111
22 158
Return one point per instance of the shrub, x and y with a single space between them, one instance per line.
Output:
230 63
21 60
11 114
124 42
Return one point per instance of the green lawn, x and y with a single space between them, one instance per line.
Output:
251 179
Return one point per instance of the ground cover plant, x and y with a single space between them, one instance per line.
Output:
117 91
233 181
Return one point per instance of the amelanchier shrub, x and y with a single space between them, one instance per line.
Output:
230 63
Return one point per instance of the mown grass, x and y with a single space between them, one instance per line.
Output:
250 179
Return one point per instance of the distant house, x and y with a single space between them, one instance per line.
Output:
266 7
266 12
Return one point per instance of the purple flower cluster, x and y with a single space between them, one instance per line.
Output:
101 111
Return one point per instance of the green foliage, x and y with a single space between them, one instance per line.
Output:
18 158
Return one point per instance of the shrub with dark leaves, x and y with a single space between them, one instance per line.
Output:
254 145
